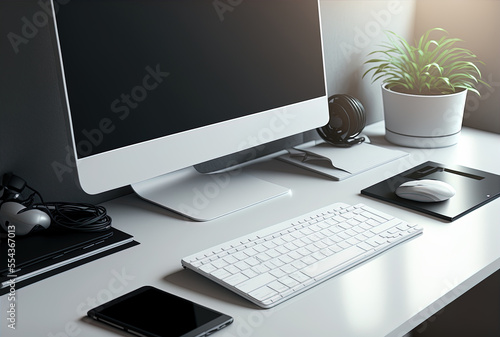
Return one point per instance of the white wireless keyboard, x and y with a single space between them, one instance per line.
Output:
270 266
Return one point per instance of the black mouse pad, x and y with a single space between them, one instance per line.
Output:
474 188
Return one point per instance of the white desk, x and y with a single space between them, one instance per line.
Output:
389 295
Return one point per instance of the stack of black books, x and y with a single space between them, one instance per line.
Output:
27 259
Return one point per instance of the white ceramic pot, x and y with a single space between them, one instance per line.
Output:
423 121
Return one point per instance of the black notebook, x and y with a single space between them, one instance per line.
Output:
40 254
474 188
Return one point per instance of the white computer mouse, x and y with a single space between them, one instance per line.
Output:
425 190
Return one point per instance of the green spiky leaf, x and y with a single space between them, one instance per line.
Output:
433 65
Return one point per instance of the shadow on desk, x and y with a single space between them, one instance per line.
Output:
190 280
379 140
475 313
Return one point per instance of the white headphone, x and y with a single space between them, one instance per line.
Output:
15 216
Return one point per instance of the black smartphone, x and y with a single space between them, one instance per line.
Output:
148 311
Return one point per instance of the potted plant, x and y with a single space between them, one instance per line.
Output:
424 88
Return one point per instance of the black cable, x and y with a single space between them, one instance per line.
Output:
75 216
83 217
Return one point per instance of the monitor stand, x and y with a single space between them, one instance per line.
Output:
204 197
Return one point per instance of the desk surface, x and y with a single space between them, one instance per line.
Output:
388 295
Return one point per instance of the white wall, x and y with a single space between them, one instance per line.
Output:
352 29
478 24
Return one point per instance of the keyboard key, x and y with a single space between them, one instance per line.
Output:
299 277
288 281
263 293
208 268
277 286
235 279
219 263
332 261
248 285
221 274
385 226
259 269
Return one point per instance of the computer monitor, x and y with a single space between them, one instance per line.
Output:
153 87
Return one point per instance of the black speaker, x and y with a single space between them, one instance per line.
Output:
347 120
11 187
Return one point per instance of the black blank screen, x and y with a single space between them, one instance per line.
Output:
159 313
210 64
